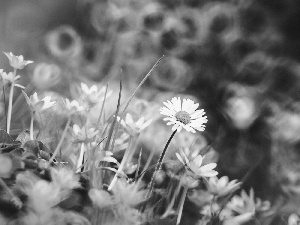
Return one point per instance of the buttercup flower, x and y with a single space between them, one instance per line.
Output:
73 106
243 204
83 134
196 166
134 127
184 115
222 186
38 105
92 95
17 62
7 78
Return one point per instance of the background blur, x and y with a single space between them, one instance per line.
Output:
239 59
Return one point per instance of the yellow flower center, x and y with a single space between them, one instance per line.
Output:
183 117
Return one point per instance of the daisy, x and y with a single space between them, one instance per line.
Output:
184 115
17 62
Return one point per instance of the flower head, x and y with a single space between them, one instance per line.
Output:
38 105
84 134
196 167
184 115
73 106
92 95
17 62
222 186
7 79
134 127
293 219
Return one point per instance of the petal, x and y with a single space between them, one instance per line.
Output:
198 161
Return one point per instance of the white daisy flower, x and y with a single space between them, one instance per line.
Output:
184 115
17 62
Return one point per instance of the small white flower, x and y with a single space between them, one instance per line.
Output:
243 204
196 166
17 62
64 178
92 95
134 127
38 105
294 219
184 115
83 134
73 106
7 78
222 186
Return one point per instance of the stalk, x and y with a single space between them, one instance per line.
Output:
61 140
159 164
31 124
181 204
11 94
80 158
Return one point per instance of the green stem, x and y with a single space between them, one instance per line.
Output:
11 94
80 158
159 164
60 141
31 125
5 110
181 204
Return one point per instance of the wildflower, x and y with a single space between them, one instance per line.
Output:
196 166
134 127
92 95
293 219
17 62
73 106
84 134
7 79
46 75
38 105
243 204
222 186
64 178
184 115
100 198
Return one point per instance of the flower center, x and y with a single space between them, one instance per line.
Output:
183 117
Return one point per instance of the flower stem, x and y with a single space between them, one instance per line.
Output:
159 164
60 141
31 125
5 111
181 204
80 158
11 94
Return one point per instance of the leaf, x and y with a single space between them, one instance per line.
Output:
5 137
24 136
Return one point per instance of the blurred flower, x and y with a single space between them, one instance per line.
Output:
189 181
128 194
64 178
38 105
100 198
92 95
101 156
46 75
64 42
222 186
7 78
132 127
129 168
84 134
17 62
242 204
184 115
196 166
293 219
73 106
172 74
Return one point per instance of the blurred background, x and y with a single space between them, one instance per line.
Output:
239 59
